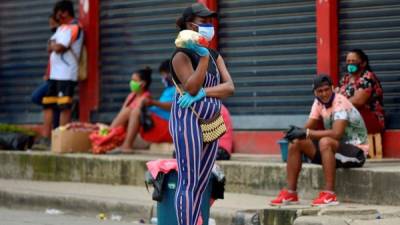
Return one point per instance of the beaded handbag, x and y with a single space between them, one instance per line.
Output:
211 129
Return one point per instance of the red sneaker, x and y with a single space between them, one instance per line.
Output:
285 198
325 199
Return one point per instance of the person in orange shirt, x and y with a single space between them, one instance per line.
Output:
41 90
64 48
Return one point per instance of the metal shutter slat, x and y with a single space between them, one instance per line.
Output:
269 48
133 34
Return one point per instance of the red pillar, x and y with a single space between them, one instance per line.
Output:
327 38
89 89
212 5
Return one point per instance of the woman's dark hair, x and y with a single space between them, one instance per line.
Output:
53 16
363 57
145 75
64 5
181 22
164 66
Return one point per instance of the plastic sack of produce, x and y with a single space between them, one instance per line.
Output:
106 139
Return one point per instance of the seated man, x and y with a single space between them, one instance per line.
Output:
148 117
343 142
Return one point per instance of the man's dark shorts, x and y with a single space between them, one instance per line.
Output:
60 93
347 156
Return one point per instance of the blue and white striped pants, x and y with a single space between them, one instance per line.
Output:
195 159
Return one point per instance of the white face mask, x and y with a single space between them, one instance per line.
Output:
206 30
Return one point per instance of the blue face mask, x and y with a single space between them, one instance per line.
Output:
352 68
166 82
206 30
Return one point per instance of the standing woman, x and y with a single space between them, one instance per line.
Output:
361 86
203 77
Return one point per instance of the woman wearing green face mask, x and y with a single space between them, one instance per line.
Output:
361 86
139 88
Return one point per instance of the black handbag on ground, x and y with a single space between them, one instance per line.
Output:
15 141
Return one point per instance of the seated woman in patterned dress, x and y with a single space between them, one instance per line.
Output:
361 86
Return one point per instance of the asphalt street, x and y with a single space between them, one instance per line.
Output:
24 217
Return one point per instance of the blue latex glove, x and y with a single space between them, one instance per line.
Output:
187 100
200 50
200 94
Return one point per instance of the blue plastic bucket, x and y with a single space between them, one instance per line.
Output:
284 144
166 213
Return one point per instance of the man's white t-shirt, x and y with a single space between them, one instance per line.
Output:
64 66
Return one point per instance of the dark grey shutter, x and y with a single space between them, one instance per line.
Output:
24 32
374 26
269 48
134 34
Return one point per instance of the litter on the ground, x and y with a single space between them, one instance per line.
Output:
53 212
116 217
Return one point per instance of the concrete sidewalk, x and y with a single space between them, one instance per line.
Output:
130 202
34 217
375 183
133 203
